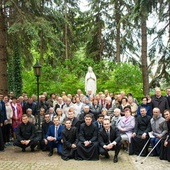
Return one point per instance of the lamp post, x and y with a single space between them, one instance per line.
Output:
37 73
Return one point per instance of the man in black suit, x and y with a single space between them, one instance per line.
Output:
109 139
45 126
1 135
99 121
168 96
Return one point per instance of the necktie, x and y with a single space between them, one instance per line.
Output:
108 135
56 132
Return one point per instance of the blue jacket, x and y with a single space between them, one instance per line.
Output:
51 132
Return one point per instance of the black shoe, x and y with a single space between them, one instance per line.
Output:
32 150
153 155
107 156
115 159
23 149
50 154
2 150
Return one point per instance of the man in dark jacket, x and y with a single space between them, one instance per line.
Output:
25 134
45 126
159 101
109 139
1 135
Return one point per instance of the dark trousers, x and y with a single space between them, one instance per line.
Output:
116 148
1 140
153 142
54 144
43 146
7 132
32 144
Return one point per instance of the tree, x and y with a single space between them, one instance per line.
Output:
141 11
17 69
3 54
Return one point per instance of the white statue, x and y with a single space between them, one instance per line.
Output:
90 82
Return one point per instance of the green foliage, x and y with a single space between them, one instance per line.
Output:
10 76
70 75
17 69
125 77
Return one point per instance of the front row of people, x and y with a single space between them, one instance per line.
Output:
85 145
89 140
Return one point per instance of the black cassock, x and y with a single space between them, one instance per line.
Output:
1 135
165 151
88 133
137 143
69 137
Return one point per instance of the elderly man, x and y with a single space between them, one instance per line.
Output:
159 101
86 110
25 134
109 139
159 130
140 134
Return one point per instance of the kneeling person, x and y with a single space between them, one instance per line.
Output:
109 139
69 136
25 135
87 147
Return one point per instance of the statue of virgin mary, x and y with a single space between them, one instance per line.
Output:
90 81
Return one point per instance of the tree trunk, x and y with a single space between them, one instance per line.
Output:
66 30
144 57
3 55
117 31
100 38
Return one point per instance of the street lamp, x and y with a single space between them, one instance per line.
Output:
37 73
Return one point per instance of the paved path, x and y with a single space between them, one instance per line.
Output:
14 159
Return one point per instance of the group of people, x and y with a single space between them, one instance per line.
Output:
86 126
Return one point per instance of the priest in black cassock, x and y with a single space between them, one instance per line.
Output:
87 147
25 134
165 144
140 134
70 139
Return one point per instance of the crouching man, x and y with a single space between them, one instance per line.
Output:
54 136
109 139
25 134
